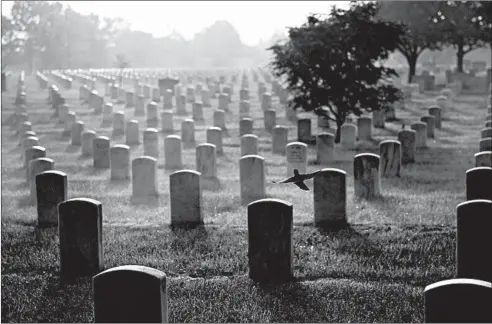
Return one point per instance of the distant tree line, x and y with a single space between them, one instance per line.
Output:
51 35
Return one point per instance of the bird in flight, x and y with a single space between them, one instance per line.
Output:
298 179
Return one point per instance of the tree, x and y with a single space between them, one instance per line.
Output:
10 43
456 19
333 65
483 21
420 32
122 62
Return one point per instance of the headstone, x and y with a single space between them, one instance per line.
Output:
485 144
32 153
181 105
266 101
120 162
483 159
186 198
296 158
37 166
219 119
188 132
245 126
280 139
378 118
325 148
51 189
243 94
443 102
206 160
366 176
130 294
129 99
87 139
478 182
151 142
420 134
107 114
460 300
152 115
435 111
62 114
140 106
252 178
168 99
144 178
473 240
119 123
205 96
330 197
198 111
25 127
172 152
100 152
304 130
364 125
270 225
430 122
269 119
69 121
249 144
390 158
223 101
348 136
132 132
80 231
214 136
244 108
77 129
407 139
167 122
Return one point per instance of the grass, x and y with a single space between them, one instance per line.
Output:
374 271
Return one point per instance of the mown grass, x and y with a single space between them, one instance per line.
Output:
373 271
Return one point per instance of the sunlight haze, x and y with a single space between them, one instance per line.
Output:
253 20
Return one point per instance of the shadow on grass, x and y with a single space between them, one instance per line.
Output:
448 130
83 157
189 145
119 184
151 202
25 201
94 171
117 135
72 148
211 184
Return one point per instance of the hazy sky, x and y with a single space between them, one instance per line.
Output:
253 20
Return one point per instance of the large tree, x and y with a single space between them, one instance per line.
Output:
334 64
483 21
420 31
456 19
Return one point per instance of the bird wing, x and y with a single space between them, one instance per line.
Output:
311 175
291 179
301 185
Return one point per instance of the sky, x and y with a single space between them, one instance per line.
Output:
253 20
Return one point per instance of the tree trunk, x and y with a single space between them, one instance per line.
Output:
412 65
339 130
460 54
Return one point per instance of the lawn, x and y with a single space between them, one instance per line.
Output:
374 271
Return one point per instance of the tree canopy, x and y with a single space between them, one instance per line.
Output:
420 31
334 64
456 21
